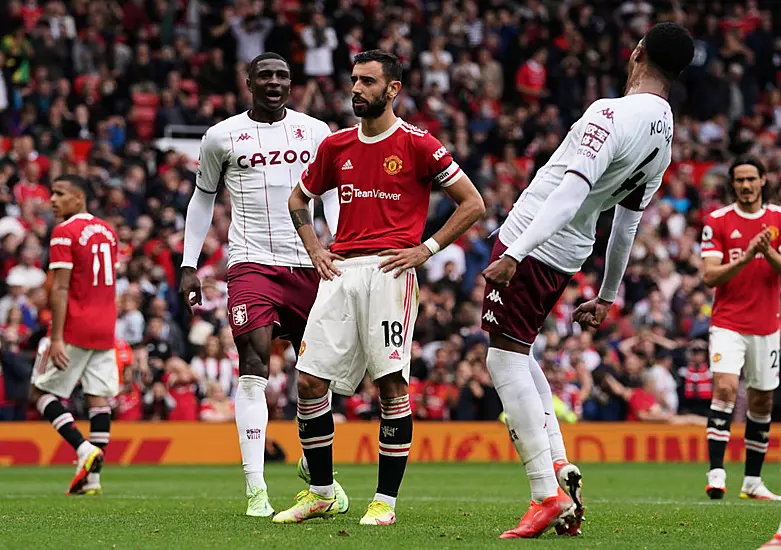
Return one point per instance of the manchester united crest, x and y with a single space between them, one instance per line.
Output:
302 349
392 165
716 357
239 314
773 232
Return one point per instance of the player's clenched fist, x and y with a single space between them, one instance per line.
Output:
591 314
500 272
404 258
323 260
190 288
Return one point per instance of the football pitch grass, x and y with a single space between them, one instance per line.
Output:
465 506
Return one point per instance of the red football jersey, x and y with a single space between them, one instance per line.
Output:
749 303
88 247
384 184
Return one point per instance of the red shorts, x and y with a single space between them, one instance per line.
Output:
262 295
518 311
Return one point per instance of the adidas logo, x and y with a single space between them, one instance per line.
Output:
347 165
490 317
494 297
719 422
395 354
735 235
244 136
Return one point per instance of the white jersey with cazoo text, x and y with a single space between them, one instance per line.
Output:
260 164
620 148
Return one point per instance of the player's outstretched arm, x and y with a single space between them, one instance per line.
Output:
322 259
59 300
716 273
622 235
196 226
558 210
469 208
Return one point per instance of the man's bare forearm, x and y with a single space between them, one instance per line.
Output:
302 220
465 215
774 259
59 297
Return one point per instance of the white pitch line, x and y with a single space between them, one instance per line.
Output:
464 500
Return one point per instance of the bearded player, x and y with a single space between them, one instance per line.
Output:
740 245
366 306
80 345
259 155
614 156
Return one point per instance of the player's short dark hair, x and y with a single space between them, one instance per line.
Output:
252 70
391 65
669 48
78 182
742 161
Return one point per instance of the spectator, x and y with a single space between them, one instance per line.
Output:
211 365
217 407
320 41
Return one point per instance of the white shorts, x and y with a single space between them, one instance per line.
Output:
360 322
96 369
756 356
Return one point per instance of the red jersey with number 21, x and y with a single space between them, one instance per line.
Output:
749 303
384 184
88 247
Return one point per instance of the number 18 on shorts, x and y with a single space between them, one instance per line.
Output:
756 356
361 322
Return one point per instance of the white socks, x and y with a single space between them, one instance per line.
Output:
390 501
558 452
251 422
525 418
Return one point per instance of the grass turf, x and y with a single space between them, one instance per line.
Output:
465 506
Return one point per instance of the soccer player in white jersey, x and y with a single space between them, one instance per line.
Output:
615 155
259 155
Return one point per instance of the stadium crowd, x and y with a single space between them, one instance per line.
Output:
498 82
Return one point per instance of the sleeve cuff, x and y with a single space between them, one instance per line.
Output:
306 191
711 254
61 265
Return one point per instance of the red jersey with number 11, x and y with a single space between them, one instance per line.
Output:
88 247
384 184
748 303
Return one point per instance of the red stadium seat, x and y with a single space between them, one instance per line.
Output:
145 99
190 86
144 114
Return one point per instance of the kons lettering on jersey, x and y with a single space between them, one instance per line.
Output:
273 158
663 127
348 192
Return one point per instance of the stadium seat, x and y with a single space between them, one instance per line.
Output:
145 99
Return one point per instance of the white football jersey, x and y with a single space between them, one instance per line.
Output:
260 164
620 148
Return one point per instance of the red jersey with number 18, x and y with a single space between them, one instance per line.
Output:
88 247
384 184
749 302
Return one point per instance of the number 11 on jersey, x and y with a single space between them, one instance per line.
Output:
104 250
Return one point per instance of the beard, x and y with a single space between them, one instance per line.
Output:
371 109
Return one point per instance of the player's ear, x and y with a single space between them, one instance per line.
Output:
249 84
394 88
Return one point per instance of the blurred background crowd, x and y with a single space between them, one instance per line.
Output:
87 87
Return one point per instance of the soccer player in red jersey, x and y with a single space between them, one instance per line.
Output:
80 347
367 303
740 251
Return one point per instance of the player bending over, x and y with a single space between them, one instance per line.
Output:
740 244
271 282
367 303
80 347
615 155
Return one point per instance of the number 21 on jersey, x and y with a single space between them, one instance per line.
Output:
101 255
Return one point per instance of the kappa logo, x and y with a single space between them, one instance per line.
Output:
490 317
607 113
244 137
299 132
347 165
494 297
239 314
395 355
735 234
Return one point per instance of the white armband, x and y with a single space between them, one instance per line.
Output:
432 245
